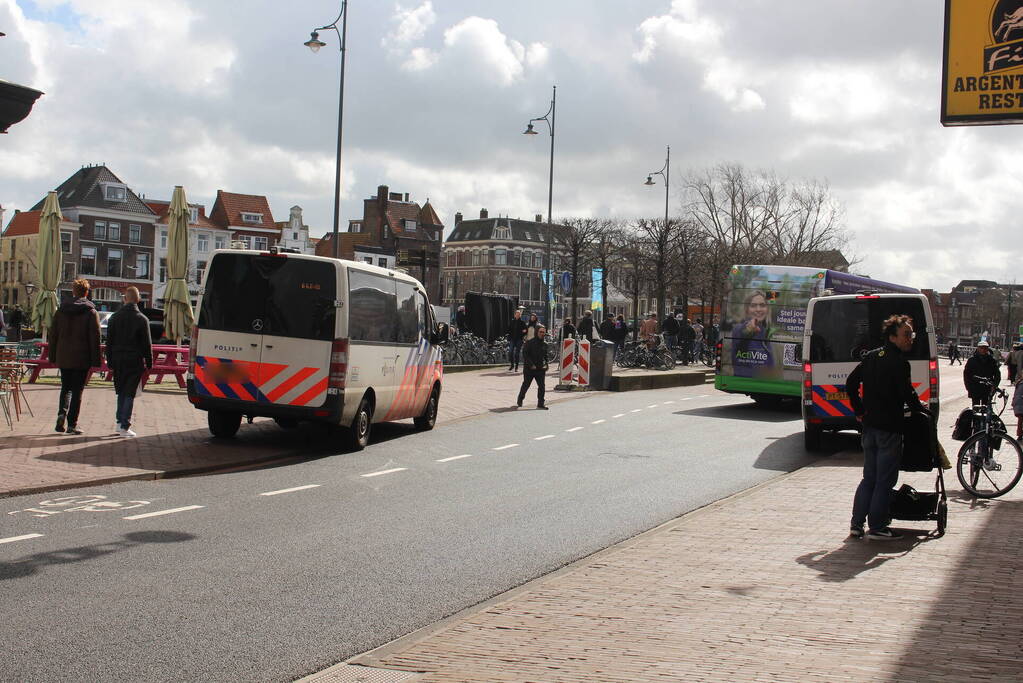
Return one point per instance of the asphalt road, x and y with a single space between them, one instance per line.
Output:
210 578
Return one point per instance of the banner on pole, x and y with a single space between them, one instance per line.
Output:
596 287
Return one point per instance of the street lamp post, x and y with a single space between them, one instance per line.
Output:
314 43
548 118
665 173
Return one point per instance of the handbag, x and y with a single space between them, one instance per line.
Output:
964 425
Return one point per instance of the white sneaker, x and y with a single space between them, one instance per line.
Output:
128 432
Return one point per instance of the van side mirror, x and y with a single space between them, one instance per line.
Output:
440 337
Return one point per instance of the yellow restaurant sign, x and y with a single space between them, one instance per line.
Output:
982 78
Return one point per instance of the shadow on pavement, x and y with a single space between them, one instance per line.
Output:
853 557
973 629
744 411
785 454
31 564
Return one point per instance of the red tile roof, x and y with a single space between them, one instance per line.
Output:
228 208
161 208
427 216
398 212
23 223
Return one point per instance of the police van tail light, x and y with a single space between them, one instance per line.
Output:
193 344
932 375
338 364
807 380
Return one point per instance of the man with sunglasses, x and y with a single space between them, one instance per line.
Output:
884 375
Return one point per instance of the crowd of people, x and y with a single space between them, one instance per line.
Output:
12 321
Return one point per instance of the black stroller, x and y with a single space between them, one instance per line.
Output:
921 453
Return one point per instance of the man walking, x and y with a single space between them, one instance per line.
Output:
688 335
516 331
534 367
586 326
981 364
887 390
607 329
953 354
697 339
74 348
129 354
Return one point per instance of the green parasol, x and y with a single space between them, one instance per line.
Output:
177 308
50 264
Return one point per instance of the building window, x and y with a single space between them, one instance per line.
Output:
246 241
193 214
219 242
114 262
142 266
115 193
500 257
69 271
65 242
387 232
99 230
204 242
355 227
114 232
368 259
260 243
200 270
163 270
502 232
134 233
163 239
537 261
88 260
294 236
251 217
410 226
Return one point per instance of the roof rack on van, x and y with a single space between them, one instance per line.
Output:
283 250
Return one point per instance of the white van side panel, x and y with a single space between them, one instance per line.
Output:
227 364
294 371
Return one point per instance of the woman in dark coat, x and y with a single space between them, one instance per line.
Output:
129 354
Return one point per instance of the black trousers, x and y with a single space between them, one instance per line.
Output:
72 383
528 376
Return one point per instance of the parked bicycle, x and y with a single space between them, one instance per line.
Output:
990 461
637 354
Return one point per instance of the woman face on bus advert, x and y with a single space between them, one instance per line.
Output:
756 313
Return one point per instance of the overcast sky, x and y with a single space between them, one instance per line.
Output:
218 94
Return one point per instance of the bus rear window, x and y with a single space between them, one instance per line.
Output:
845 329
289 297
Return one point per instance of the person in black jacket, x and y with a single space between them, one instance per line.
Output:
567 329
887 390
516 331
607 329
671 329
586 326
534 366
129 354
981 364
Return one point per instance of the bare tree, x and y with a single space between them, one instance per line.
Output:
661 240
576 238
605 253
635 256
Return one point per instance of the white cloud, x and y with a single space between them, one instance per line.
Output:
412 25
479 43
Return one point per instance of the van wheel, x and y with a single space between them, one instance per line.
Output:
812 437
357 436
223 425
428 419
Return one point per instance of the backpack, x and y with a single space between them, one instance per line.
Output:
964 425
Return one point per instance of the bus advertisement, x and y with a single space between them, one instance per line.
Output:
762 322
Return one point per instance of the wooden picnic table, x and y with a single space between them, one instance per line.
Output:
167 360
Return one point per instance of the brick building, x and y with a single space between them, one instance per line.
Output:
248 218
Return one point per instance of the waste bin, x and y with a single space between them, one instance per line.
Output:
602 362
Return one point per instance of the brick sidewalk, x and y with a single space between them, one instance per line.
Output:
173 436
762 586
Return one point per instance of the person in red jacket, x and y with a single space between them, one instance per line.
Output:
74 348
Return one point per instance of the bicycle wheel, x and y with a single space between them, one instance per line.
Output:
667 360
989 466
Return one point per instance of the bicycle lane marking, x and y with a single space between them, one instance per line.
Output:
159 513
88 503
24 537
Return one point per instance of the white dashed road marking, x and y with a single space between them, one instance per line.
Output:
597 422
164 512
377 474
636 410
296 488
653 406
573 429
455 457
507 445
667 402
619 415
12 539
545 436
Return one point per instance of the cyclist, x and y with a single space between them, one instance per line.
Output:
887 389
981 364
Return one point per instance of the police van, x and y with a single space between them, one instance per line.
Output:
297 337
839 332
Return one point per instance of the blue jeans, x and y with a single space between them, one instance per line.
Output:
882 453
514 351
125 404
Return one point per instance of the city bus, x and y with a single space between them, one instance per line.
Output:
760 350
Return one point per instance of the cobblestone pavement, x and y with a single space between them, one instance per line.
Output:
173 436
762 586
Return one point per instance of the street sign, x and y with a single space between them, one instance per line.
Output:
982 73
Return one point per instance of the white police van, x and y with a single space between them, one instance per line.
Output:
298 337
839 331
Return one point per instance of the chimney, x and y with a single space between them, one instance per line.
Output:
539 218
458 218
406 196
484 214
382 192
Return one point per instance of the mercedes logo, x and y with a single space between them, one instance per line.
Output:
257 324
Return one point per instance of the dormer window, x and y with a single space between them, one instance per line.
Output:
113 192
251 217
193 214
502 232
409 226
355 227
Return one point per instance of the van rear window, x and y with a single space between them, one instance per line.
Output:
844 329
284 297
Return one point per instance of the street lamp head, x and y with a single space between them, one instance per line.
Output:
649 180
314 43
529 130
